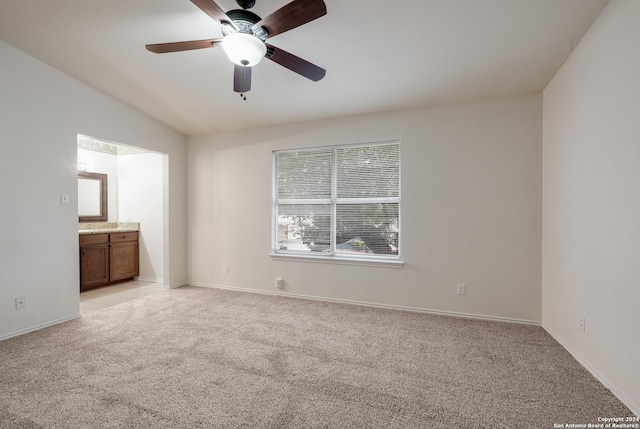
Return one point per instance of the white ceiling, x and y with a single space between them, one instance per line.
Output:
379 55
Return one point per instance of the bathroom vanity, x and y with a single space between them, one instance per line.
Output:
109 253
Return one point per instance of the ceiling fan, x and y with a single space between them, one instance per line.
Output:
244 34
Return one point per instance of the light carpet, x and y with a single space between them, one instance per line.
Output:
207 358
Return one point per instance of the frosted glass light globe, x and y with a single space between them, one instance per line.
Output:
244 49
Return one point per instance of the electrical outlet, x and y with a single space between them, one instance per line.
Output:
582 324
462 289
225 269
279 283
20 303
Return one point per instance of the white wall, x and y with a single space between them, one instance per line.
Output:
41 113
591 233
38 235
141 200
471 209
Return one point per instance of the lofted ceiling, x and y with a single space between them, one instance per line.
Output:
379 55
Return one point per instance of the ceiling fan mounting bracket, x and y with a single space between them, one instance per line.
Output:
246 4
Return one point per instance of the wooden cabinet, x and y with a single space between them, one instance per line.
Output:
108 258
94 261
123 256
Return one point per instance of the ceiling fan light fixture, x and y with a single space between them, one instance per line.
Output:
244 49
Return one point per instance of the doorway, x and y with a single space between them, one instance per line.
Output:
137 192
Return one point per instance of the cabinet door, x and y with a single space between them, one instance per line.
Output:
94 266
124 260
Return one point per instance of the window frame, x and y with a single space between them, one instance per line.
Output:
334 202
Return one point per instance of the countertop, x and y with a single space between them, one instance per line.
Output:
107 227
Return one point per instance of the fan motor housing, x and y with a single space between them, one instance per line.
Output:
244 20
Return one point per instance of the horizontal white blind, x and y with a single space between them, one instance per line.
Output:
304 174
342 200
368 228
368 171
304 227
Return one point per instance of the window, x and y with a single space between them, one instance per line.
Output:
338 201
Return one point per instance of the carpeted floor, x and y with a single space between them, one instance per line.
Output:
207 358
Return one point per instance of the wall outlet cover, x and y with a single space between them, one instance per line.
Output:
20 303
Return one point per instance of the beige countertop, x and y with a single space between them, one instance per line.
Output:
107 227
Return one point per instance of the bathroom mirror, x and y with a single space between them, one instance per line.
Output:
92 197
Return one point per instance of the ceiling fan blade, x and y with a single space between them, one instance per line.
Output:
163 48
295 64
241 79
213 10
292 15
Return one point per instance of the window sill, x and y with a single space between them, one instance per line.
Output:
386 263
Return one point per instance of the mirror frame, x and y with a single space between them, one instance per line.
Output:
102 178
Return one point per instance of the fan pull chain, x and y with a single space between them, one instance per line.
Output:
243 96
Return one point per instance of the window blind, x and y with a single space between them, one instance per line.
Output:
341 200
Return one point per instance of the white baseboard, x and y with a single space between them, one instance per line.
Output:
635 408
37 327
371 304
